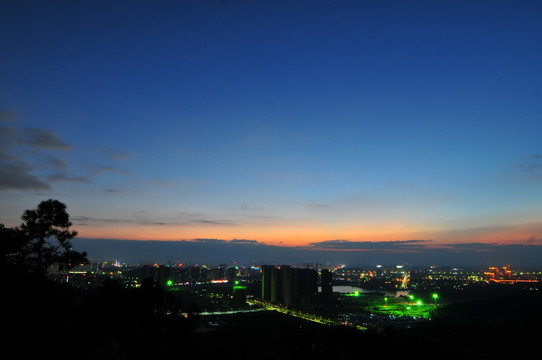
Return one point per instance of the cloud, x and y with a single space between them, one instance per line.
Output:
369 245
88 220
531 165
85 220
215 222
8 116
206 241
21 159
56 163
112 191
67 178
43 139
187 218
314 206
138 220
403 185
146 222
223 241
243 241
474 246
115 154
17 175
86 179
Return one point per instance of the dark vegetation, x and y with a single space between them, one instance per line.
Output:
42 318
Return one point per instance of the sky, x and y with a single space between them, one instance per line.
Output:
353 128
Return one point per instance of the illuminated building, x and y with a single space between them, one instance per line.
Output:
507 273
496 272
505 277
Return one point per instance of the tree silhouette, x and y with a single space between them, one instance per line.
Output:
42 240
11 245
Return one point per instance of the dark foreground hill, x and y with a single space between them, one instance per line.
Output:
44 319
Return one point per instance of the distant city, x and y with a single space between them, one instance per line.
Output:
362 297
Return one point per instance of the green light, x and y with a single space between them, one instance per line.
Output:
236 282
411 297
356 293
435 296
169 283
419 302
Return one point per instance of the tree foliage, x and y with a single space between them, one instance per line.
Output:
42 240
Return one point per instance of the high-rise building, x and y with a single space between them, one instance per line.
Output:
495 270
277 285
288 285
326 283
266 281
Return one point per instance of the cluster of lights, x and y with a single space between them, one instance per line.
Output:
419 302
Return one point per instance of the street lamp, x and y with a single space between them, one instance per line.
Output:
435 296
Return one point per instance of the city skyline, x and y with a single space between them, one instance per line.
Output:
399 130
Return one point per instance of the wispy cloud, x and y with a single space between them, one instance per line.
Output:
518 233
369 245
244 241
93 221
87 178
19 169
17 175
115 154
56 163
29 158
474 246
43 139
223 241
112 191
142 218
215 222
531 166
315 206
8 116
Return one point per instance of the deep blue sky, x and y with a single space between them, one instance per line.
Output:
284 122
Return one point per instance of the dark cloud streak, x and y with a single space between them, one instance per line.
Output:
18 169
17 175
43 139
368 245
